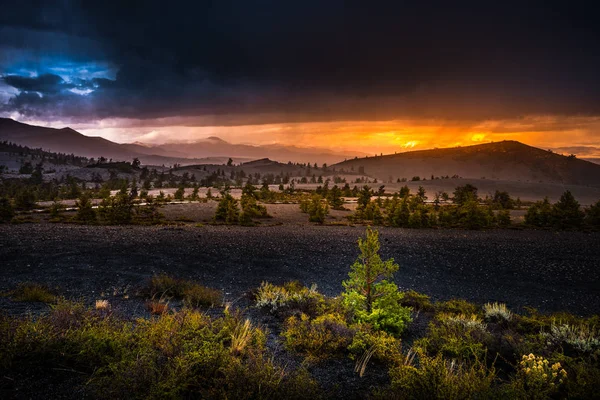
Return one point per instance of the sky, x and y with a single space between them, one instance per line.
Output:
365 76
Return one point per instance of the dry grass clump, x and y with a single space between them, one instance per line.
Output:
33 292
102 305
157 307
497 312
469 322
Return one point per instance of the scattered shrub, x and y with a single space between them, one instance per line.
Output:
456 306
85 213
183 354
33 292
417 301
319 338
581 337
290 296
157 307
497 312
227 209
456 336
6 210
192 294
537 379
383 346
438 378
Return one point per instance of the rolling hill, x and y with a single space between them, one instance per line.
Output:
67 140
507 160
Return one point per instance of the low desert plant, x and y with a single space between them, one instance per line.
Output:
319 338
456 336
416 301
102 305
537 378
290 296
456 306
439 378
157 307
582 337
497 312
193 294
33 292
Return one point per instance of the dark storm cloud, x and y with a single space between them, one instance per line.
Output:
316 59
45 84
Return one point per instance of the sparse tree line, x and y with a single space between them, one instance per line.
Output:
463 210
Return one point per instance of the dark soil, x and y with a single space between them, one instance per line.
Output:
547 270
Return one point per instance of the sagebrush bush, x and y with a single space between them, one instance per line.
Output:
291 296
497 312
582 337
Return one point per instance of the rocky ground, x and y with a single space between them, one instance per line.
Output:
547 270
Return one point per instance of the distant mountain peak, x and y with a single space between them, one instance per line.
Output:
215 139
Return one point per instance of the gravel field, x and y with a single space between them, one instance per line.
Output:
547 270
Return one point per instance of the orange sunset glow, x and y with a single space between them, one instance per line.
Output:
572 134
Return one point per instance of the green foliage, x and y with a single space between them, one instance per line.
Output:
325 336
290 297
85 213
437 378
179 193
384 347
539 214
6 210
25 198
537 378
502 200
456 306
317 209
227 209
176 355
116 210
592 215
566 213
334 197
369 295
33 292
464 194
193 294
416 301
503 218
457 336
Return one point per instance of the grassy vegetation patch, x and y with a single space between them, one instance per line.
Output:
33 292
163 287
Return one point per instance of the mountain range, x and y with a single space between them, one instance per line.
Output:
67 140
